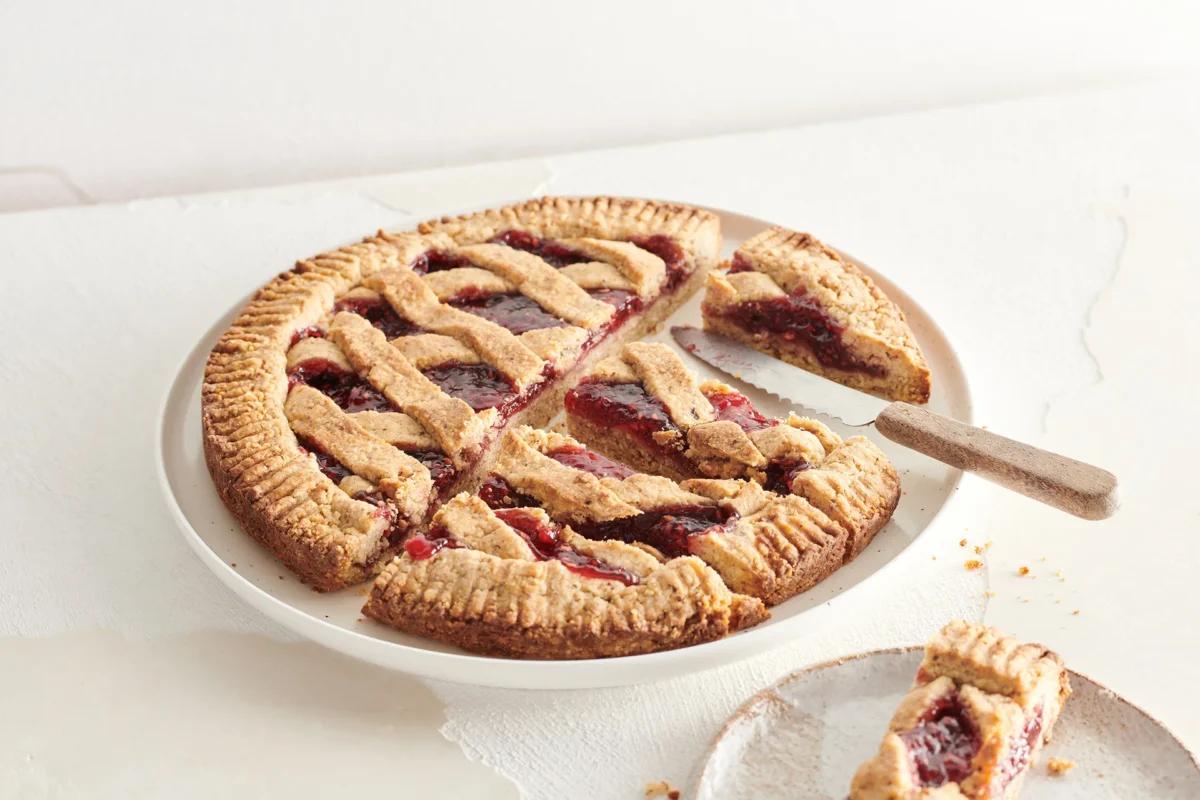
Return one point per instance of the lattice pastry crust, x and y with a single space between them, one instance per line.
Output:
330 417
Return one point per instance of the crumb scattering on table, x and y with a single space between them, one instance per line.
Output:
661 789
1023 571
1059 766
973 564
962 542
1075 613
989 593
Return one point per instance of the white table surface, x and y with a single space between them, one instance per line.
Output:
1051 238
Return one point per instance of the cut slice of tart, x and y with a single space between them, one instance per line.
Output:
982 708
643 407
768 545
792 297
365 386
513 582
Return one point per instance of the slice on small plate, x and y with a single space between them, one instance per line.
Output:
818 730
790 296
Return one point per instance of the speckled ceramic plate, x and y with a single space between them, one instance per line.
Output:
335 619
805 736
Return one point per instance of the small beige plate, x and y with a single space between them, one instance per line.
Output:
805 736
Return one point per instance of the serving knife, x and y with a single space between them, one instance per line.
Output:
1072 486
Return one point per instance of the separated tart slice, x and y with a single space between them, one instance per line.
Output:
643 407
982 708
364 387
792 297
513 582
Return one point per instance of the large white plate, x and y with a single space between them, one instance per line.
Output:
334 619
806 735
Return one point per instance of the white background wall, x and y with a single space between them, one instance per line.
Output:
132 98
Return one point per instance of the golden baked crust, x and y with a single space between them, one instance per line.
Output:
1003 698
881 355
491 594
273 483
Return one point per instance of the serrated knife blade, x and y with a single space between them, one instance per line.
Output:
792 384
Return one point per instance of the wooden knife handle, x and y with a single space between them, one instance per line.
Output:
1067 484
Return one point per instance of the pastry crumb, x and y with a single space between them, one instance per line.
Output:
962 542
1059 766
1075 613
1023 571
989 593
662 789
973 564
1058 573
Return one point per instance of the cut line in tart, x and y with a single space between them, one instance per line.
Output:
982 708
792 297
368 384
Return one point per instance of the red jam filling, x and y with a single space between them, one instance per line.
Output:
590 461
379 313
739 264
736 407
346 389
514 311
330 467
440 467
624 406
668 529
671 253
1020 752
554 253
943 742
799 319
420 547
543 540
499 493
437 261
478 385
781 472
311 332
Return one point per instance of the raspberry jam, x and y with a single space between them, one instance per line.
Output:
440 467
349 391
671 253
801 320
625 406
739 264
499 493
943 743
514 311
669 529
736 407
544 541
478 385
330 467
379 313
624 305
781 472
437 261
554 253
590 461
420 547
311 332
